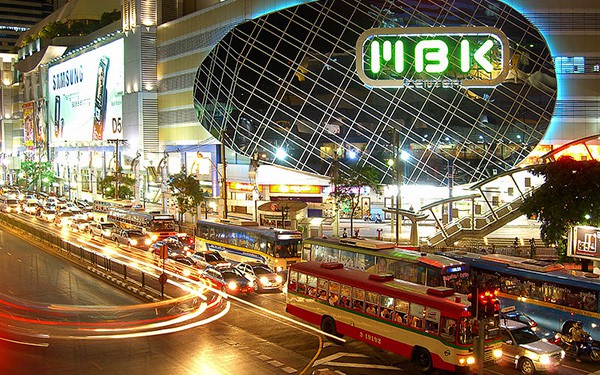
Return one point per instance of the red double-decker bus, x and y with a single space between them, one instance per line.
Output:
430 325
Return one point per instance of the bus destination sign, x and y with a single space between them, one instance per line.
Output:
428 57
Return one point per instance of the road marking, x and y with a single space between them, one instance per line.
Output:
363 365
337 356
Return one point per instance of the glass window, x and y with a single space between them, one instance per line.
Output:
334 293
417 313
346 296
322 286
432 320
302 282
448 329
293 281
358 299
311 285
400 311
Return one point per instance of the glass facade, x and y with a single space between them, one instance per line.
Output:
284 88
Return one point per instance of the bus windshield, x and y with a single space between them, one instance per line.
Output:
287 249
162 225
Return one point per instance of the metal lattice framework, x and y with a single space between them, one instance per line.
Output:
287 81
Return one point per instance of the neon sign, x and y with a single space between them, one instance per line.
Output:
426 57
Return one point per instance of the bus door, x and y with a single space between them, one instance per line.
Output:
307 254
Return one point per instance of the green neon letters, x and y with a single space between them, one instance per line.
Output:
428 57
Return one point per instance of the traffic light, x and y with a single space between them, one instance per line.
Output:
472 297
488 303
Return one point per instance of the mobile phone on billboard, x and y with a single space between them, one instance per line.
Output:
100 100
56 116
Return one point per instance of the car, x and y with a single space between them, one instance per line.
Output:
211 258
102 229
63 218
79 224
174 248
132 237
187 240
513 314
9 203
522 348
32 207
47 213
263 277
229 280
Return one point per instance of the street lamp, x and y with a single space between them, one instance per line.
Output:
223 176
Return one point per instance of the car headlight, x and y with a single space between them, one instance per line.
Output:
279 269
497 353
264 280
544 359
133 242
154 238
106 233
232 285
279 279
147 241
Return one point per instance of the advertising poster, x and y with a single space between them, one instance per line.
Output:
28 124
85 96
40 122
584 242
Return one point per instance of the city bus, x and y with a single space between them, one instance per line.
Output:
245 241
430 325
102 205
158 226
550 294
380 256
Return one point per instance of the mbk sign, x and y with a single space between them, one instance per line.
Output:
425 57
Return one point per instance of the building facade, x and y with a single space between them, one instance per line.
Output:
276 81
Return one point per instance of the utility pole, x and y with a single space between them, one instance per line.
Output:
117 164
224 174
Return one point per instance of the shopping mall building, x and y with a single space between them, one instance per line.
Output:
452 93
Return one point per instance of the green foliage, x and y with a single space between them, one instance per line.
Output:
570 196
72 27
348 188
107 186
36 174
187 193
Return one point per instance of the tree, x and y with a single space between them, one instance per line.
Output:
187 193
108 184
36 174
347 189
570 196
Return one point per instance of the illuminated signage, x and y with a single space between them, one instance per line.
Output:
241 186
295 189
427 57
85 95
584 242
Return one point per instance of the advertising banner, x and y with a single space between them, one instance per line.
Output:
85 96
28 124
584 242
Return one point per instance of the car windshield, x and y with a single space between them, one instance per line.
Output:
262 270
229 274
135 233
107 225
214 257
525 336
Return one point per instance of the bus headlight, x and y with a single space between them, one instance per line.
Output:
279 269
154 238
497 353
279 279
232 285
464 361
133 242
147 242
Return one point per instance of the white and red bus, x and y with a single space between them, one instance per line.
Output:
429 325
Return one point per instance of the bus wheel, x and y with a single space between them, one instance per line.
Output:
526 366
328 326
422 359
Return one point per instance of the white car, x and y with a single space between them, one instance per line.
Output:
32 207
526 351
47 214
261 275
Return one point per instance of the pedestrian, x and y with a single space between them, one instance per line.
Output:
532 248
345 233
378 218
517 250
356 232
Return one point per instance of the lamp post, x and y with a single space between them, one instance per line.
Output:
222 175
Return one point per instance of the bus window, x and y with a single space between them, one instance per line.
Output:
334 293
358 299
322 285
400 311
432 320
465 330
416 315
448 329
301 283
311 285
345 296
293 283
372 303
387 306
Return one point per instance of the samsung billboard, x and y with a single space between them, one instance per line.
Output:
85 96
